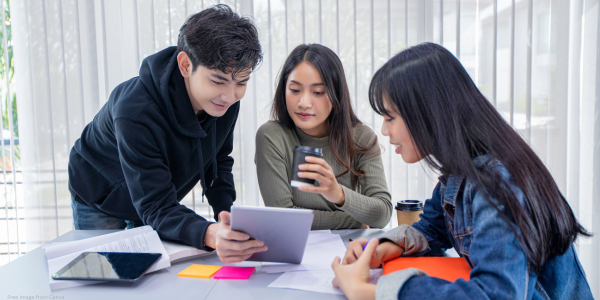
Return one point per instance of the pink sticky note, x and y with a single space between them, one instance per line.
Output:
234 273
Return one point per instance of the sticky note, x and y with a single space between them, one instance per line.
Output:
234 273
199 271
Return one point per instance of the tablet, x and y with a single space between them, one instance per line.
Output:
111 266
283 230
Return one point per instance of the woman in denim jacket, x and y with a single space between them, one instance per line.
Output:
495 203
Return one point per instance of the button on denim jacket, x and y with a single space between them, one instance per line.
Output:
458 216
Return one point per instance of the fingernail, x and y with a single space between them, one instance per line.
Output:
260 244
246 237
265 248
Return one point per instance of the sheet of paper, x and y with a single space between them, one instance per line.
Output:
320 251
54 250
314 281
146 242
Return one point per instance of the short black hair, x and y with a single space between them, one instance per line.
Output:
218 38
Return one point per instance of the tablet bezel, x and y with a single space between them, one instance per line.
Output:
56 276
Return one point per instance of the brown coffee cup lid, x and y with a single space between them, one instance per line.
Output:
409 205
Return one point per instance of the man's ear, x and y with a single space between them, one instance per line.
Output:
185 64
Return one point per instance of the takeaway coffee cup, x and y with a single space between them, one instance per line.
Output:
300 152
408 211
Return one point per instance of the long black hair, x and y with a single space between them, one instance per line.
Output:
451 123
341 118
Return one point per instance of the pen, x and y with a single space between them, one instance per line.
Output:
364 247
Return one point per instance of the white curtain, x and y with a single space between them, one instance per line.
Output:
536 60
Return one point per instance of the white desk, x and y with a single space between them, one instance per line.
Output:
27 278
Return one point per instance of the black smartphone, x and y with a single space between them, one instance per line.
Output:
111 266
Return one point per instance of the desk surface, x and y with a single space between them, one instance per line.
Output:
27 278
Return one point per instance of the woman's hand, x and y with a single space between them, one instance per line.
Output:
319 170
383 253
354 278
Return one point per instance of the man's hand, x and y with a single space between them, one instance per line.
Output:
232 246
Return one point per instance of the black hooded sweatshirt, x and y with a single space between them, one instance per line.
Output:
145 150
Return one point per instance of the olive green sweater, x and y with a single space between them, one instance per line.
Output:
274 154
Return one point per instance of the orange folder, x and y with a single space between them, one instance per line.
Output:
447 268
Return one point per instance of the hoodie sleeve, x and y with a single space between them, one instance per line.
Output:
150 186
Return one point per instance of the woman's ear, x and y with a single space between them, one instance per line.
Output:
185 64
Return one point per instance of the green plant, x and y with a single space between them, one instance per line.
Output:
11 73
12 98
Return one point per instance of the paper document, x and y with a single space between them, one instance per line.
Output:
142 240
321 249
57 249
314 281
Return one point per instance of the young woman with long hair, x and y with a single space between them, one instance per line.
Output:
495 203
312 107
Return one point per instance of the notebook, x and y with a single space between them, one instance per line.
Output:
447 268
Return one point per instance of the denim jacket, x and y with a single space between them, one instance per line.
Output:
457 215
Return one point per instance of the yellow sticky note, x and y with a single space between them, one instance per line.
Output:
199 271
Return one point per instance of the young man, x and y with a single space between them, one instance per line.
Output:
163 131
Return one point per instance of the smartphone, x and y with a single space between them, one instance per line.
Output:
111 266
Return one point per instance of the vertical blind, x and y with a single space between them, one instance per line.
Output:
12 222
535 60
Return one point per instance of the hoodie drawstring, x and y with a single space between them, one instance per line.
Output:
201 159
213 157
214 152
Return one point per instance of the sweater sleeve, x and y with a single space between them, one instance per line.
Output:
411 240
276 191
373 207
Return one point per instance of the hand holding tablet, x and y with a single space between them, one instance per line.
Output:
231 245
283 230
